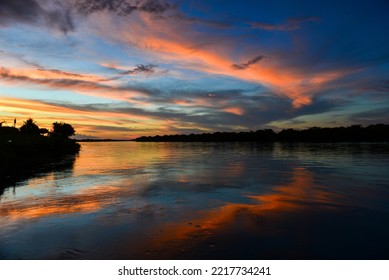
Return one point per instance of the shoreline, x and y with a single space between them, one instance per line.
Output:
24 156
354 133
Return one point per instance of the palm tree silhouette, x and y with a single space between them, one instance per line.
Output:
29 127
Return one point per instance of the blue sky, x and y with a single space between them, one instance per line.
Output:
126 68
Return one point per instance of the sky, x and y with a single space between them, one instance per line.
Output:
127 68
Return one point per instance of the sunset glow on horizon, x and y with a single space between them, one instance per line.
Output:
127 68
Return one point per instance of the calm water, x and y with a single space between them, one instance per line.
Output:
127 200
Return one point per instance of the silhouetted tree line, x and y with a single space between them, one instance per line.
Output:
25 150
29 127
354 133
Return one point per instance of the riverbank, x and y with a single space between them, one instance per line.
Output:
354 133
22 155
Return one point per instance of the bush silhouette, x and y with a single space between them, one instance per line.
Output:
63 130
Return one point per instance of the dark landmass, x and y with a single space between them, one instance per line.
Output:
354 133
23 154
101 140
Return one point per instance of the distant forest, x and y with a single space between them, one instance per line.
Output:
354 133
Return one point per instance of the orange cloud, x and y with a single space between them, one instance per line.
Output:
234 110
87 85
166 41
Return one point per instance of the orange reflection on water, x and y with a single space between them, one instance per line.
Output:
293 196
86 201
122 155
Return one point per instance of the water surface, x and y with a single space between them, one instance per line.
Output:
127 200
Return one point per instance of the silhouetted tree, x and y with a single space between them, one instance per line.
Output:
61 129
29 127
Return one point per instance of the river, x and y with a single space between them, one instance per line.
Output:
128 200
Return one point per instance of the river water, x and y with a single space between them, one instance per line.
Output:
128 200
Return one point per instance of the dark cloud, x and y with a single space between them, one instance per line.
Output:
34 12
121 7
290 24
159 95
294 122
161 9
185 19
374 116
154 6
98 128
19 10
140 69
211 118
259 111
321 105
246 65
58 14
381 86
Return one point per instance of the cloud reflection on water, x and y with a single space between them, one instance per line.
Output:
200 200
178 238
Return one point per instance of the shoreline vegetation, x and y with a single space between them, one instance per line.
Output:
354 133
102 140
29 150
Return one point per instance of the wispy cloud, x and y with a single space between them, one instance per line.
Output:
35 12
374 116
74 82
19 58
140 69
246 65
289 25
60 15
176 17
380 86
62 73
121 7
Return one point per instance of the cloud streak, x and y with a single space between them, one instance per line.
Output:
141 69
121 7
246 65
290 25
89 87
